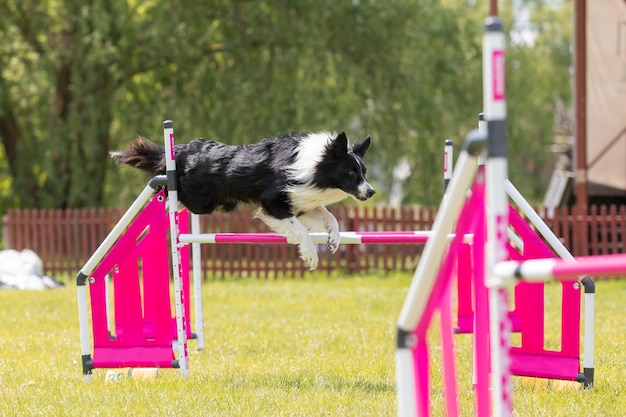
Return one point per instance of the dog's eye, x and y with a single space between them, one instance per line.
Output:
352 172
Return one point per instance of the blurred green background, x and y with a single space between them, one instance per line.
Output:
80 78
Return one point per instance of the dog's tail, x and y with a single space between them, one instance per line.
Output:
142 154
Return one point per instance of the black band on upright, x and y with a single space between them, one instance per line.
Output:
589 284
493 24
81 279
405 340
474 142
158 181
87 364
496 145
171 181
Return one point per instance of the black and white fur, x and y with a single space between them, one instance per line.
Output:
290 178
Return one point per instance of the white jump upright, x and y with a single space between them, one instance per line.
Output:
177 272
197 281
496 170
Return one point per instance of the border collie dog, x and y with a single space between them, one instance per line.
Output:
290 178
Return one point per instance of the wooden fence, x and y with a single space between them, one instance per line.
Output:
598 230
65 239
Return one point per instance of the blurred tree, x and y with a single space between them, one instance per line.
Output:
63 66
406 72
539 84
80 78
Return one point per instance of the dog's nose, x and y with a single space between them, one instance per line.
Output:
370 192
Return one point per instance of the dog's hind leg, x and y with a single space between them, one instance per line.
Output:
295 232
320 219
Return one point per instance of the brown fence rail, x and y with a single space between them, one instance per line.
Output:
600 230
65 239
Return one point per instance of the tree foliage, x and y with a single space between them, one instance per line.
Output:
78 79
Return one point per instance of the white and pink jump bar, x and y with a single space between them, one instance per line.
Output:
347 238
509 272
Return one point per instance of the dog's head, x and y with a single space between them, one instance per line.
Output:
343 167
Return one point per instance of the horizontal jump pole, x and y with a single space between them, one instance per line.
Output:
346 238
538 270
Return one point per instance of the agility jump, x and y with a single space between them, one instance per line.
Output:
507 237
135 254
500 274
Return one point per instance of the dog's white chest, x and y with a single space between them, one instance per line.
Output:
306 199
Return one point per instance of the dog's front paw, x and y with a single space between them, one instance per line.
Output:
310 262
308 254
333 241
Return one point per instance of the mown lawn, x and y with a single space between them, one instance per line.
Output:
315 347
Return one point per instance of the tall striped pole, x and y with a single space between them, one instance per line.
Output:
496 168
179 294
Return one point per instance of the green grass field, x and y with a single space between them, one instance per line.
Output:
315 347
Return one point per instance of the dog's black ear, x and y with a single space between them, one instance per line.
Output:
340 144
359 148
